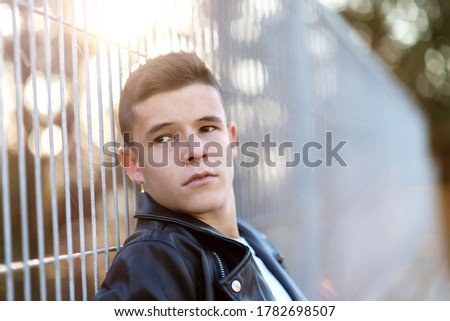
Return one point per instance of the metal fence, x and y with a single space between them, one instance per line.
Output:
63 64
287 68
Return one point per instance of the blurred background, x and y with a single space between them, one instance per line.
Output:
412 40
373 73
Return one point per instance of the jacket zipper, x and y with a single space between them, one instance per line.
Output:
220 264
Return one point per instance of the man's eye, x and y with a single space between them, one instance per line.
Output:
162 139
207 129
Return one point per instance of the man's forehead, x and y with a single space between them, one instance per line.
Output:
178 118
188 104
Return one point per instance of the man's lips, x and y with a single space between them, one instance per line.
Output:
199 178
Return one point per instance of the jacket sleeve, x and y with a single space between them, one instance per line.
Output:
149 270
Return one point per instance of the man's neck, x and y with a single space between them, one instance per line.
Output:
223 219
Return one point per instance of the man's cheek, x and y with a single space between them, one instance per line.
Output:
158 157
215 152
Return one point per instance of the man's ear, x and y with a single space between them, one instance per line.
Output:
130 162
232 135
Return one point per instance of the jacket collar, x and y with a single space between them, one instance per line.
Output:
148 208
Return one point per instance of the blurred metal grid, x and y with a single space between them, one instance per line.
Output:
284 67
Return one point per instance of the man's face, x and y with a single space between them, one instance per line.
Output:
187 165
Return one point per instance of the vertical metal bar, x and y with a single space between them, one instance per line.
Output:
37 157
52 173
113 135
124 176
91 162
102 158
21 156
146 45
68 210
191 30
78 148
171 35
203 38
5 188
211 26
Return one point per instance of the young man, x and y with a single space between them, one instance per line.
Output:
188 244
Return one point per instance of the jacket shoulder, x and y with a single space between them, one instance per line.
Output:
153 264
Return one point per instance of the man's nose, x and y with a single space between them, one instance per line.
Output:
194 151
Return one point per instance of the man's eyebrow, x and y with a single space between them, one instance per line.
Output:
212 118
158 127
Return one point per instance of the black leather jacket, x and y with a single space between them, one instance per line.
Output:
172 256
